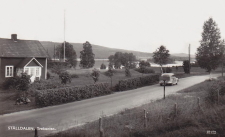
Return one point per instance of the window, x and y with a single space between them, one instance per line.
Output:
8 71
37 72
33 71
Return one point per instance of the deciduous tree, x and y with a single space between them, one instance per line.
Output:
161 56
210 51
125 59
87 56
70 54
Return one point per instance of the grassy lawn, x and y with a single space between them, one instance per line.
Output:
161 118
7 102
85 78
8 97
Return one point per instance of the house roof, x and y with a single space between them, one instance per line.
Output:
21 48
26 62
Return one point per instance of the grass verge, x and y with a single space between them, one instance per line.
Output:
162 119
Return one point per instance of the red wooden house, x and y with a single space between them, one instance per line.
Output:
17 56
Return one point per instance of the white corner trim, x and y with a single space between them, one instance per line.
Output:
35 60
46 68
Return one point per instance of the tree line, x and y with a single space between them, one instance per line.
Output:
210 53
86 55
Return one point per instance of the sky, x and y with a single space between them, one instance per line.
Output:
141 25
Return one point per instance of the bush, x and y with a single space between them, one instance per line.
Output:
63 95
168 70
23 82
134 83
18 83
95 75
186 65
103 66
9 83
145 70
65 77
127 72
45 84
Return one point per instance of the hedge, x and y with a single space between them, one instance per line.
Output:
145 70
69 94
134 83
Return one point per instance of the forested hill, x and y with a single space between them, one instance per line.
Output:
99 51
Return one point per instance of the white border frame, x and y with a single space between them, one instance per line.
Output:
6 70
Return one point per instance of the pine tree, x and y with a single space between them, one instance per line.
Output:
87 56
210 51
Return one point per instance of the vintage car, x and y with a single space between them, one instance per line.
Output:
169 78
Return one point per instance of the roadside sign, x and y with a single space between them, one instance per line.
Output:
164 78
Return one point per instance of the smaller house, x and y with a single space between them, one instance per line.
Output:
22 56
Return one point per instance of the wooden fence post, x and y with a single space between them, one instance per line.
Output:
175 109
100 128
35 132
145 119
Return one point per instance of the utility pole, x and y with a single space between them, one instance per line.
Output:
223 58
64 37
189 48
54 52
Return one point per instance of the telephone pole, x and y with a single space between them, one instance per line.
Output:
54 52
189 50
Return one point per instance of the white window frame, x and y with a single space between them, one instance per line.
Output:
10 66
35 68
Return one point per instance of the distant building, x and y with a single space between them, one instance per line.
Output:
22 56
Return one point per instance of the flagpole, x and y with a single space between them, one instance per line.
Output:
64 37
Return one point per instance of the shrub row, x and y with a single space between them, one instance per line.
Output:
167 70
45 84
63 95
134 83
145 70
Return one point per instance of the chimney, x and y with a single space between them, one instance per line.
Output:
14 37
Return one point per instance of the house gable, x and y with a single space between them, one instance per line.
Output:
29 62
33 63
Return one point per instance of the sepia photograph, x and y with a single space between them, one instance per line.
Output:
112 68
